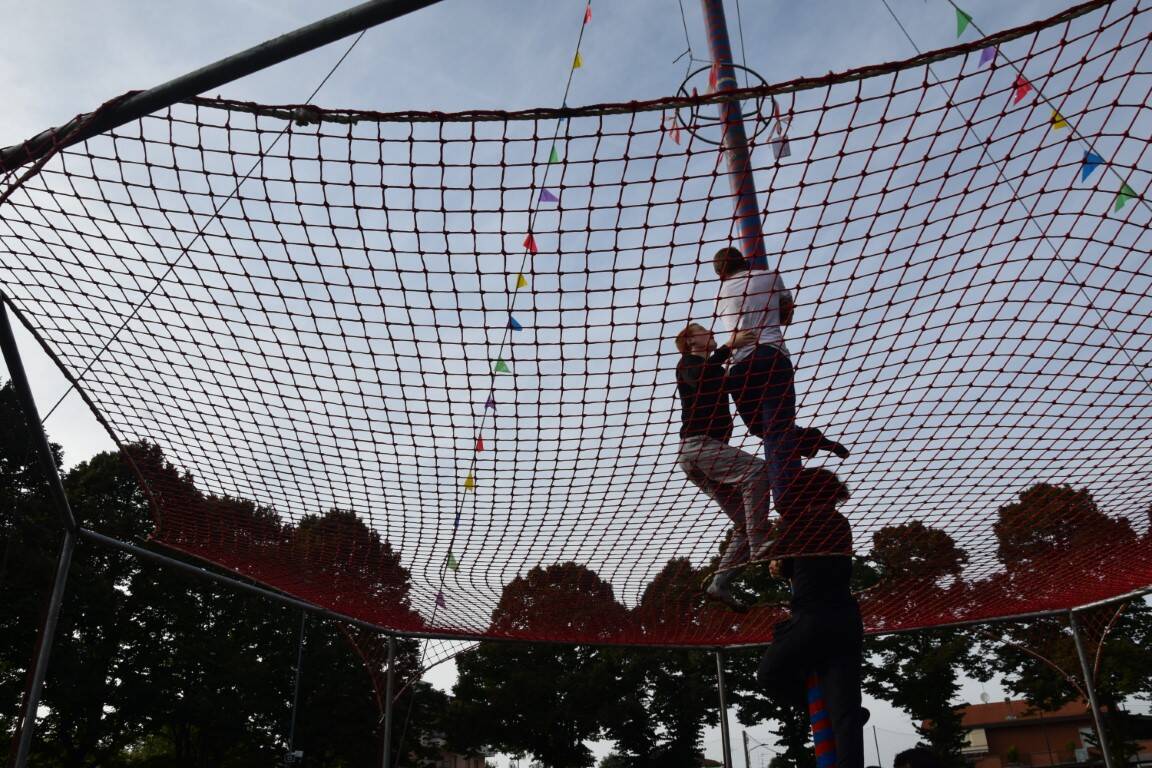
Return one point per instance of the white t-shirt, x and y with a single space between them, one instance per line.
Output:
751 301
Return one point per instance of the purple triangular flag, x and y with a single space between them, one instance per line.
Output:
548 197
987 55
440 603
490 402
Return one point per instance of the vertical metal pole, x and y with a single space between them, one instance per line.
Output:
296 688
735 140
388 688
1090 689
724 737
60 499
876 741
747 759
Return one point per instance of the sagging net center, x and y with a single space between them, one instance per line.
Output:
338 331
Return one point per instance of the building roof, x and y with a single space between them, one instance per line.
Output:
1010 712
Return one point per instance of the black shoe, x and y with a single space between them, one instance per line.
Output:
809 440
723 596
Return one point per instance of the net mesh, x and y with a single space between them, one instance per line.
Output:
300 325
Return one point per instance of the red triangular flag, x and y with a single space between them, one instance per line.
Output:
479 445
713 76
530 244
1022 88
587 14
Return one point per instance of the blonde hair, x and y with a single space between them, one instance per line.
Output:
682 337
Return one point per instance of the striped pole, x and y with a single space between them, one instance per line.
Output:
822 734
749 230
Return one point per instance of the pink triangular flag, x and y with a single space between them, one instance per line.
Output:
530 244
548 197
713 76
587 13
1022 89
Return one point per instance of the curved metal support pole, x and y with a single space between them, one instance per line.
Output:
1090 688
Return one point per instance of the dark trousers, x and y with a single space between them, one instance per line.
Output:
764 389
828 642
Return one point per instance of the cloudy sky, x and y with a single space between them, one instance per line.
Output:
58 59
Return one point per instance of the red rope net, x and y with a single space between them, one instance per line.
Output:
295 320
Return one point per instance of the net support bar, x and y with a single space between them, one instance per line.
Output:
725 738
1090 689
64 563
388 703
247 62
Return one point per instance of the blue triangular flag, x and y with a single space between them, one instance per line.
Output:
1091 162
513 324
548 197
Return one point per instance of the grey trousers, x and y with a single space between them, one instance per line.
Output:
738 482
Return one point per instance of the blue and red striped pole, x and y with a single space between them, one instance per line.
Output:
750 231
822 734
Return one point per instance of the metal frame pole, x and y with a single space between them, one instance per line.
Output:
735 139
388 708
1090 689
724 735
747 758
296 687
222 72
64 563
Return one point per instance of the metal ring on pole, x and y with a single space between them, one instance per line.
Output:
696 121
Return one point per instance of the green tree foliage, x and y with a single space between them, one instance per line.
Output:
1038 657
153 667
920 672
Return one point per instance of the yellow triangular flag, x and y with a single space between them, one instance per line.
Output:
1058 121
577 62
469 483
521 281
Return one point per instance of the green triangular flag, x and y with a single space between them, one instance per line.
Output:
453 564
962 22
554 157
501 366
1123 196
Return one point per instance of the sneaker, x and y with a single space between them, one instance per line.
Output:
722 595
809 440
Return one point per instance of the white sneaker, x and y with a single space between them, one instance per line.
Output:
722 595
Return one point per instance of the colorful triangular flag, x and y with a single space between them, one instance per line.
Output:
1092 161
1021 89
1058 121
1125 194
553 156
675 133
469 483
987 55
440 600
530 244
780 148
513 324
490 402
456 521
548 197
962 22
587 13
577 62
479 445
521 281
501 366
453 564
713 76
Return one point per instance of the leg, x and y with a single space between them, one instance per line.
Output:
785 665
746 493
778 410
840 679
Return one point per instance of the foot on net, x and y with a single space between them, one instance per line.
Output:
722 595
809 440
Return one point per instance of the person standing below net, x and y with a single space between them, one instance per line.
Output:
824 634
761 377
734 479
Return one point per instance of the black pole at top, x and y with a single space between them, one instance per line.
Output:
234 67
